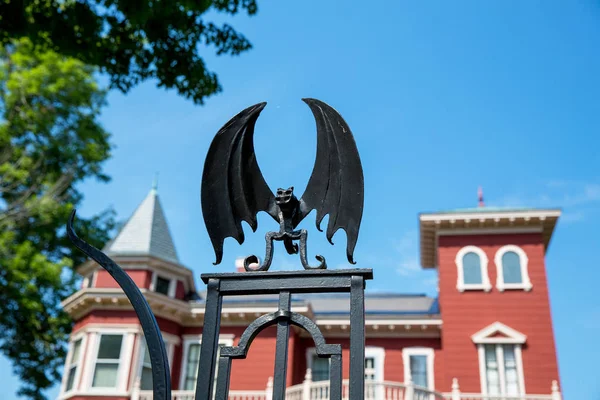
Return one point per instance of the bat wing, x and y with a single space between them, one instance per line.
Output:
336 185
233 187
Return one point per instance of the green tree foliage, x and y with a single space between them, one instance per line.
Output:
50 140
132 40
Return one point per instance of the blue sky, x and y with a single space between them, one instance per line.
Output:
442 97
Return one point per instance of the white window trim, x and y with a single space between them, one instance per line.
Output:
485 279
419 351
80 363
123 371
510 336
170 342
378 353
523 260
172 283
225 339
86 280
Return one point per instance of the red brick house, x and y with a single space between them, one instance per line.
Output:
488 334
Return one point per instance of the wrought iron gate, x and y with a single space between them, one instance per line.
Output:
285 284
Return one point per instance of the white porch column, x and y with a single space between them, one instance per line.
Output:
409 392
269 389
306 385
556 395
135 391
455 389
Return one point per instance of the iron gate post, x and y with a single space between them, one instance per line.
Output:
285 285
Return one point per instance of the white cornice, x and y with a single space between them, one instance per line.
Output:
86 300
486 215
490 231
484 222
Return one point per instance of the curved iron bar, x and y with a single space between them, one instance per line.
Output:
303 259
161 379
330 351
264 321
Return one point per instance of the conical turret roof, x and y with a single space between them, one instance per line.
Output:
145 233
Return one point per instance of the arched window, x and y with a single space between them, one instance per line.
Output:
471 263
472 269
511 266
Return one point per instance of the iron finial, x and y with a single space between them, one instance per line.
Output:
155 182
480 196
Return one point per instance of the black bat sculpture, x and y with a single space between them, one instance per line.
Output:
234 189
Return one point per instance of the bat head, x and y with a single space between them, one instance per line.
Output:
285 196
286 201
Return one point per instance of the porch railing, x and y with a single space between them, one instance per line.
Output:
373 391
309 390
189 395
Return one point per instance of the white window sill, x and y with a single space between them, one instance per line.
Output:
514 286
478 286
98 392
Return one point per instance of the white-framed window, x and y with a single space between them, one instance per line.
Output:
144 365
472 268
108 363
105 360
164 284
89 280
108 360
191 359
374 364
73 366
512 268
500 360
418 366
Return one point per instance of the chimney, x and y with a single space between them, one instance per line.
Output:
239 264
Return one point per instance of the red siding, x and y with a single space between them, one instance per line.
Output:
141 277
179 291
254 372
466 313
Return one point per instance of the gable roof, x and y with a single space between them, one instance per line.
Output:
146 233
498 333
